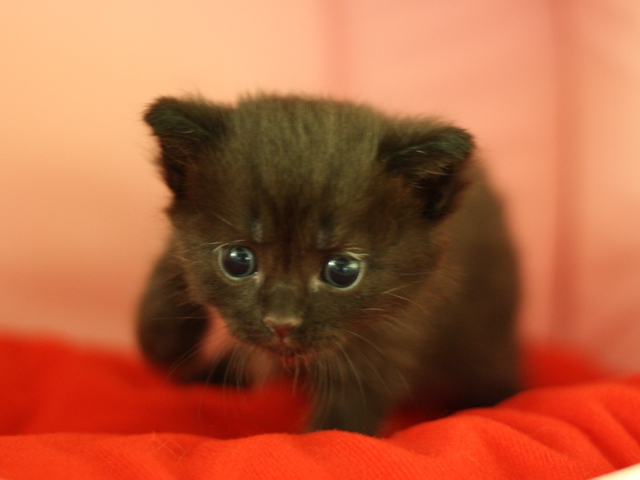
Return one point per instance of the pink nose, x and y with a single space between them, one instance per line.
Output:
282 327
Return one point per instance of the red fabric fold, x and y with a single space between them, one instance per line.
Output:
67 412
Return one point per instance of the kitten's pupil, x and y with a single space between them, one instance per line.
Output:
341 272
238 262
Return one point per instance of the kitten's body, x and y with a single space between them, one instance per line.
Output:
311 192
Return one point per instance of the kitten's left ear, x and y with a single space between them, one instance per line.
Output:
184 128
432 158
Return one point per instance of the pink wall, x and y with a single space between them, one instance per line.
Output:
597 261
550 89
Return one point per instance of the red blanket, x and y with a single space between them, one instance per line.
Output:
70 413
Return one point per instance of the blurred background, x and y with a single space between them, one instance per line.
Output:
551 89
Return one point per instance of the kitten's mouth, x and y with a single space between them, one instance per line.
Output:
289 356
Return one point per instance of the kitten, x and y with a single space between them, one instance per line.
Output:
365 253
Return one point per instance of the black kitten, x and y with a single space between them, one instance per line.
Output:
324 239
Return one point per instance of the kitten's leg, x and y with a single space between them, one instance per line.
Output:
170 327
493 377
480 372
176 333
355 390
347 408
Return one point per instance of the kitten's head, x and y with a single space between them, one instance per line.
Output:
296 218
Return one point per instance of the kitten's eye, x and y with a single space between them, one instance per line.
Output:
238 262
341 272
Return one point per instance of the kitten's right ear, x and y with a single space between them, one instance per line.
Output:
432 157
185 128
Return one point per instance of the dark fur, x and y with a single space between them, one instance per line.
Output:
299 180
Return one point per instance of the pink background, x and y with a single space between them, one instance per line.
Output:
550 88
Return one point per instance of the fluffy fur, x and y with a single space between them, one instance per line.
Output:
297 182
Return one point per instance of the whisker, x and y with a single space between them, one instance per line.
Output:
356 374
193 317
242 358
383 357
214 365
296 373
213 246
366 340
233 367
400 287
406 299
181 258
220 217
185 357
388 321
415 274
195 348
220 246
322 389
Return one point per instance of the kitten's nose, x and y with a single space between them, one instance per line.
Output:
282 326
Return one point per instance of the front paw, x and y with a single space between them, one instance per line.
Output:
358 414
173 344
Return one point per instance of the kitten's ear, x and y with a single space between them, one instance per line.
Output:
185 128
432 159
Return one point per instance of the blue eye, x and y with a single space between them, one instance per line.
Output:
341 272
238 262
